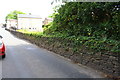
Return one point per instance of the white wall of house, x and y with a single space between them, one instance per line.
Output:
11 23
30 23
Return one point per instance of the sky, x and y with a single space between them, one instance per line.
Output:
43 8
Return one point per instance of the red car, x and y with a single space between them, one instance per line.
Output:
2 48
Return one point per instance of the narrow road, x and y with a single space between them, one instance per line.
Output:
25 60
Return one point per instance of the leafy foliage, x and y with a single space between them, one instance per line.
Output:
88 19
92 43
13 15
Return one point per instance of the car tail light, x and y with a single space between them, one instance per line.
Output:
2 47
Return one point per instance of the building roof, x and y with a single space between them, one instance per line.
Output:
28 16
50 19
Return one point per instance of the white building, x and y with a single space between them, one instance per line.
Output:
29 22
11 23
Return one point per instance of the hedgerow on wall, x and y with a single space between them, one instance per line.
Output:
98 19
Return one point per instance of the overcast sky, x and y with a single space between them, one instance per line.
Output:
35 7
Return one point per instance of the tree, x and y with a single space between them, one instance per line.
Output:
98 19
13 15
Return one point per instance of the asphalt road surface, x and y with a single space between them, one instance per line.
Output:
25 60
